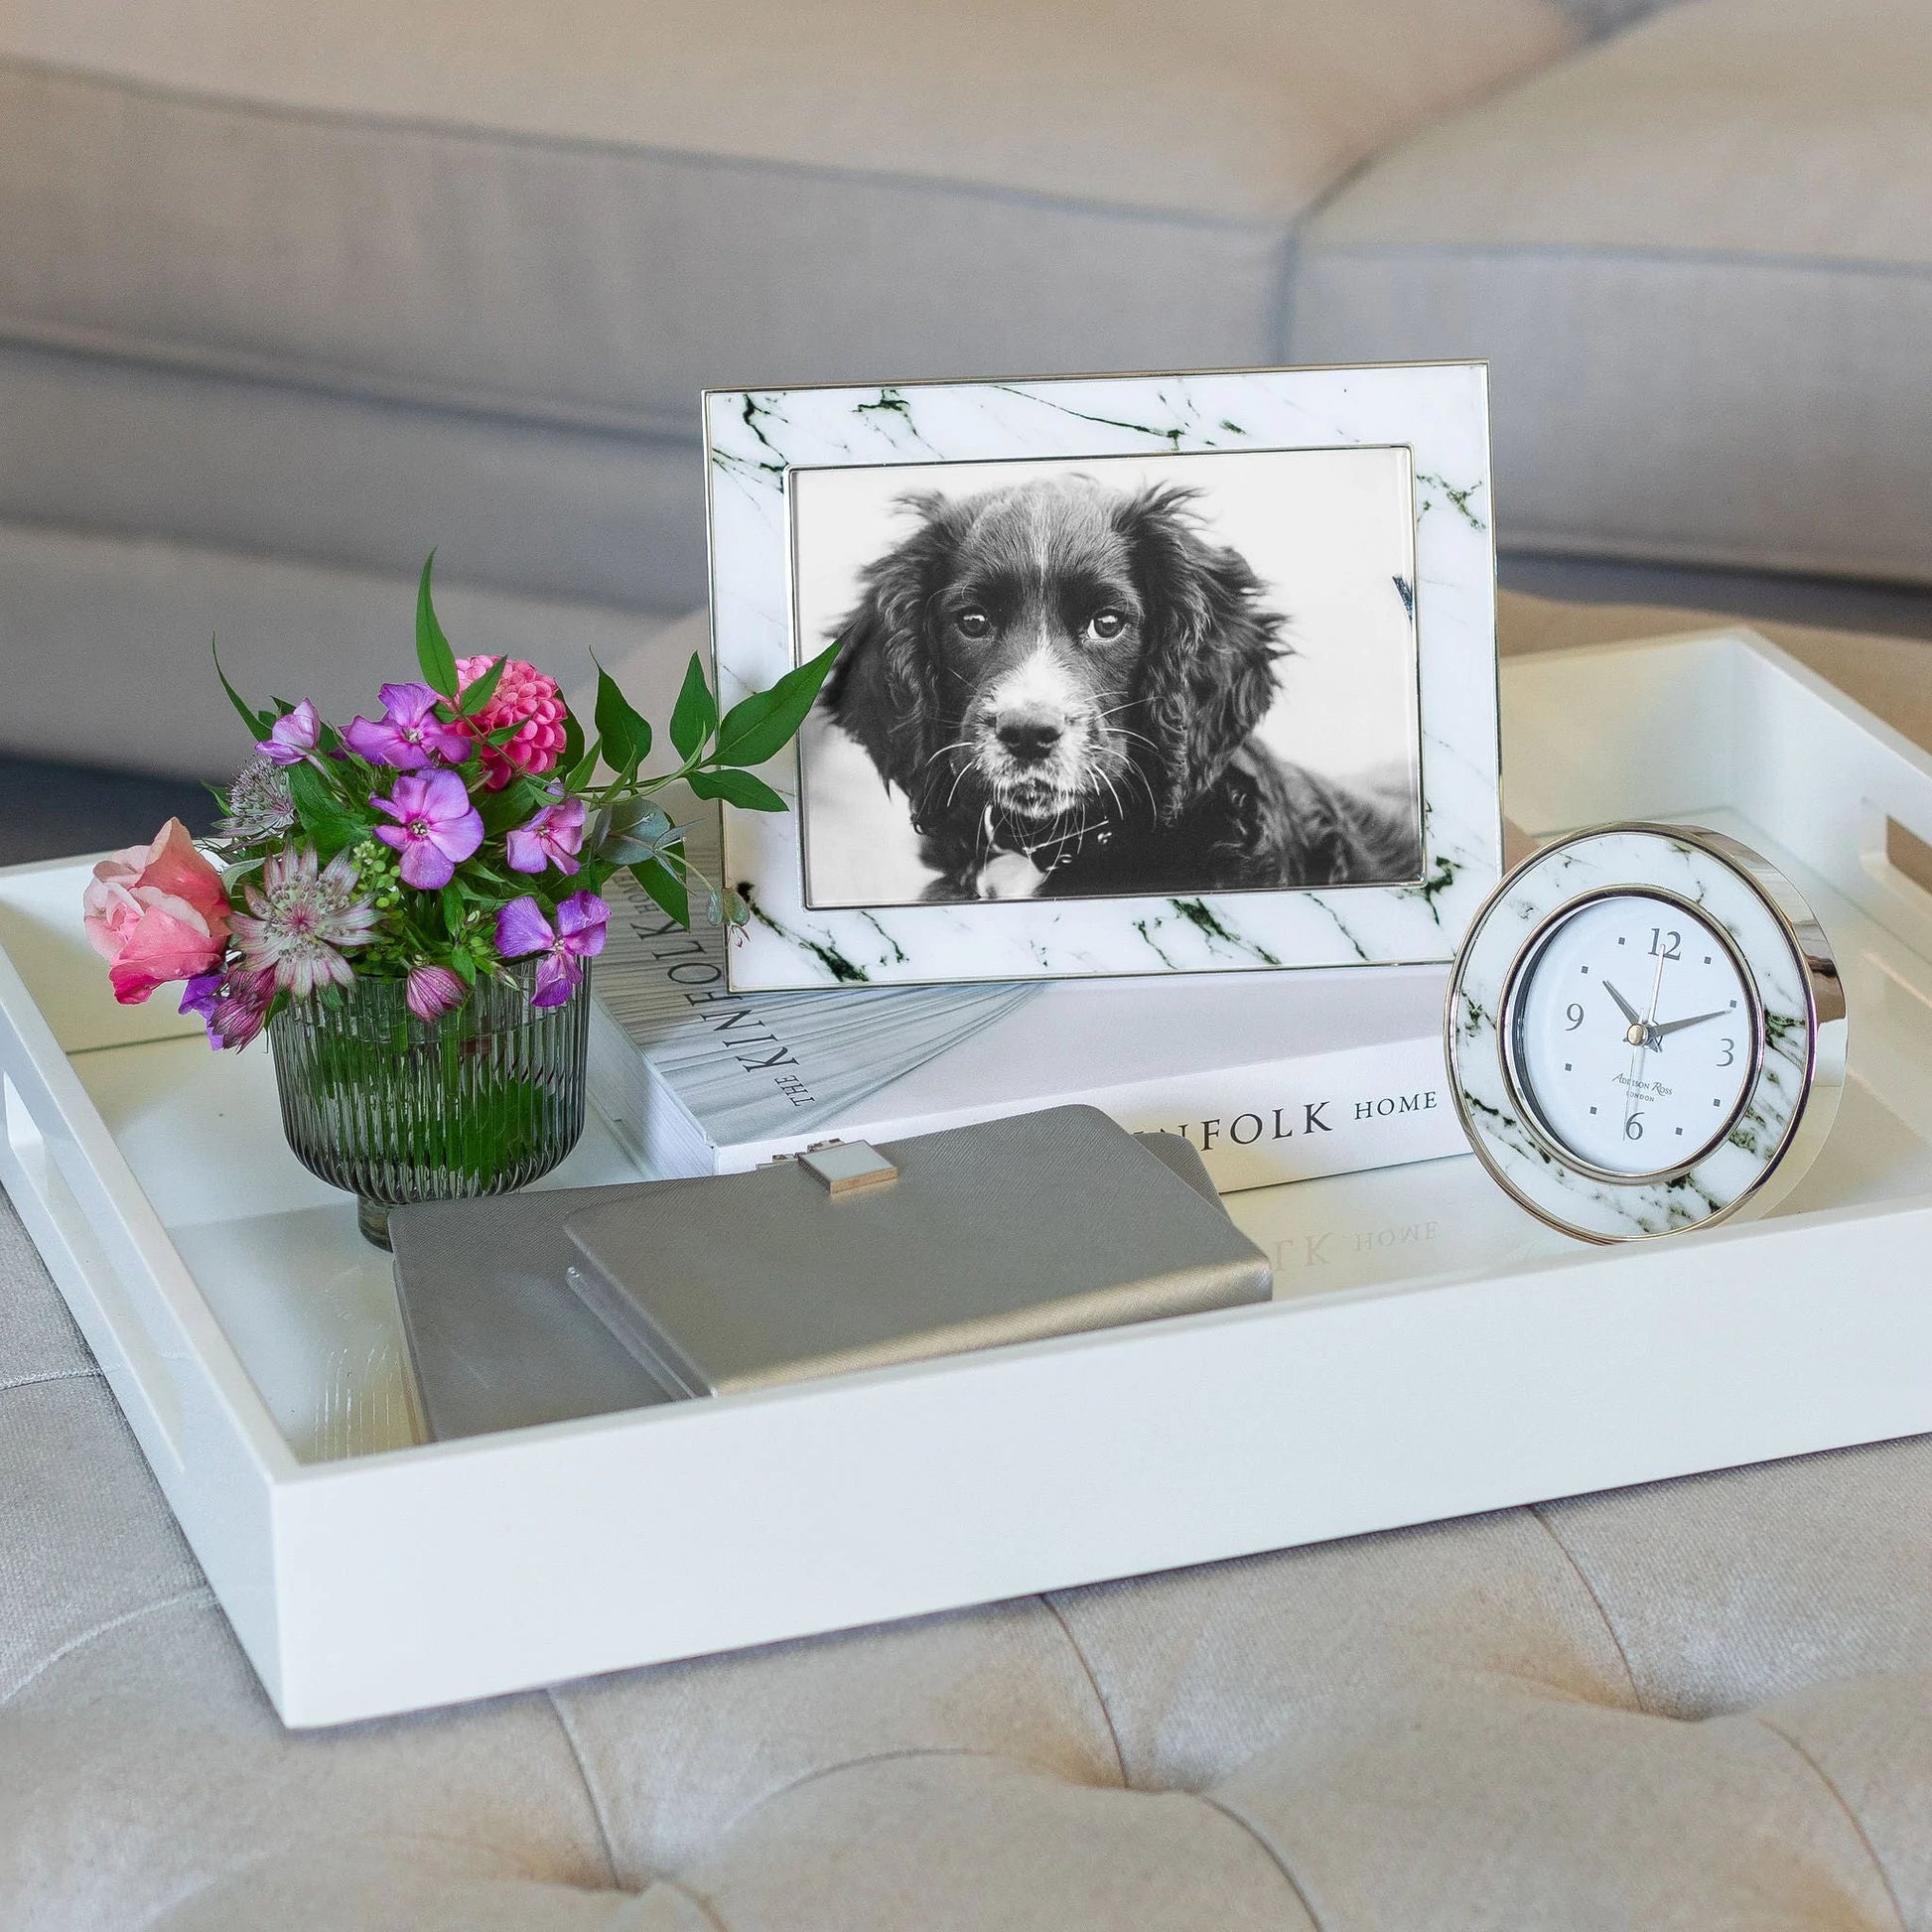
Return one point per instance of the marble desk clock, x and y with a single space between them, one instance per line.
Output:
1646 1032
1140 674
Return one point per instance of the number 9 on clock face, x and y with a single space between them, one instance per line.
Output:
1633 1035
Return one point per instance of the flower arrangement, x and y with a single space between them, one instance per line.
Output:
469 827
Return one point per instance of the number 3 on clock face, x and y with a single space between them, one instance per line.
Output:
1645 1032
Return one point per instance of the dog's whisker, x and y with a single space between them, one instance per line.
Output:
958 744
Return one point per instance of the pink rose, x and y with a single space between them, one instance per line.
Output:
155 913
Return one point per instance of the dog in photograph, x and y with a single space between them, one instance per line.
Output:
1065 681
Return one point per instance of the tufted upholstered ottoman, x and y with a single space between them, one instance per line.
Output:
1702 1704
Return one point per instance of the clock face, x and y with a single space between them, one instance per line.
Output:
1633 1035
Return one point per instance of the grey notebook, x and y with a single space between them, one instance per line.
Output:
1040 1224
500 1340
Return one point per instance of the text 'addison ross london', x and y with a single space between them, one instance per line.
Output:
1312 1117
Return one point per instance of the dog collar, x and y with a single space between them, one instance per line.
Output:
1060 848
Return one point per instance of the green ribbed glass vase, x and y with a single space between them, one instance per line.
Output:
397 1109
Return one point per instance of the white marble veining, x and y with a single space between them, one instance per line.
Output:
1645 860
1439 411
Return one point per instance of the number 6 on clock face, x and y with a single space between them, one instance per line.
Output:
1645 1032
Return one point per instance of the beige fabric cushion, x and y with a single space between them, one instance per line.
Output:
1233 108
586 213
1699 258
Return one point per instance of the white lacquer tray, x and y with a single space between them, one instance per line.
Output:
1431 1351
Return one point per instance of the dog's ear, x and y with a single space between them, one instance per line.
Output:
1207 665
884 689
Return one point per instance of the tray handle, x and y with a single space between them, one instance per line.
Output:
84 1246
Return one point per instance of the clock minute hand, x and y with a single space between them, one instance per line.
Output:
1695 1019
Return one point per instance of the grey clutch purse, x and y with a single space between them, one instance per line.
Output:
1042 1225
850 1257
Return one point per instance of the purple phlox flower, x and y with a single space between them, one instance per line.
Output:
436 828
521 929
293 737
409 735
232 1004
302 920
433 990
554 837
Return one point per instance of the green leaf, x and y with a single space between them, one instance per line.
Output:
520 801
761 726
463 967
578 779
666 887
573 751
636 830
453 909
433 651
625 732
328 818
258 723
738 788
479 693
695 715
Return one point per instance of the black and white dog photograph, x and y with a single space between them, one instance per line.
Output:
1108 678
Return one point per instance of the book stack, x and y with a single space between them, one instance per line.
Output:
1272 1077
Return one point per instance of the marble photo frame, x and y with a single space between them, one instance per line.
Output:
802 484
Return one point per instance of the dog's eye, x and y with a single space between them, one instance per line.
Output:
1106 624
973 623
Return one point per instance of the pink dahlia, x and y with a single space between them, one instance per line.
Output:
524 697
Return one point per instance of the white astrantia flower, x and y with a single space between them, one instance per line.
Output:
260 803
302 919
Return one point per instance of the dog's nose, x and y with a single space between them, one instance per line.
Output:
1029 734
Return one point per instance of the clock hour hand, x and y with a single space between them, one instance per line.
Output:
1623 1006
1695 1019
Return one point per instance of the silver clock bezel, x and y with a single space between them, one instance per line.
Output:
1509 1026
1730 1178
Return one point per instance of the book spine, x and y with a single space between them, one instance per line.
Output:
1255 1126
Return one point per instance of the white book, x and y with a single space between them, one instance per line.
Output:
1273 1077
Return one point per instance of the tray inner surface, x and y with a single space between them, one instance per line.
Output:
311 1308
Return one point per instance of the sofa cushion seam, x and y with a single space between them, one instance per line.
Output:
1315 247
712 1915
614 148
1825 1778
1597 1603
591 1796
525 409
1093 1683
1268 1850
40 1376
198 1593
